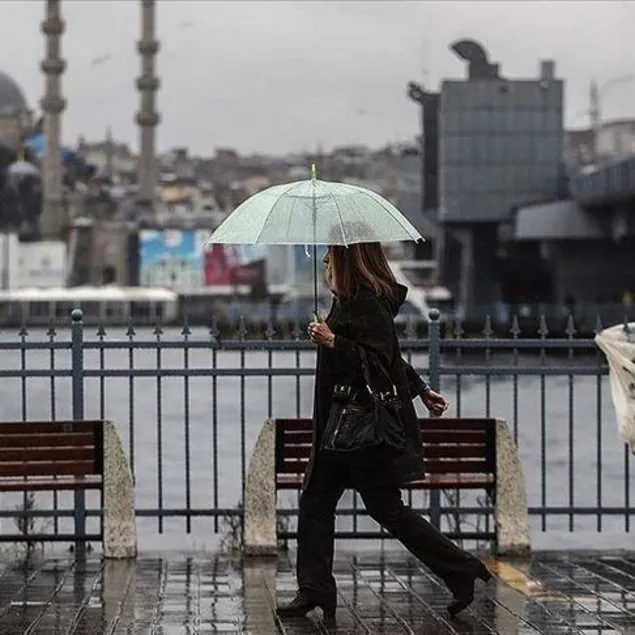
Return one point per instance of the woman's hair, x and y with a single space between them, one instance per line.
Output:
361 263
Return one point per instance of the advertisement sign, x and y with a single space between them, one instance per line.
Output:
171 259
42 264
235 264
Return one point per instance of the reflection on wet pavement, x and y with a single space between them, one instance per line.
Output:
388 592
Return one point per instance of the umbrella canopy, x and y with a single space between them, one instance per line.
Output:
314 213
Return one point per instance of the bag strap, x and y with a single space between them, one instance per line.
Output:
363 355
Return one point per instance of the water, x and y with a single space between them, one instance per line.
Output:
573 430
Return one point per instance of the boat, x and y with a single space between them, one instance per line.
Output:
424 293
108 304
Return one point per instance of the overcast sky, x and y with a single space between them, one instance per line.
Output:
286 76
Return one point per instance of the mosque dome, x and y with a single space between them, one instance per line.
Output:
12 101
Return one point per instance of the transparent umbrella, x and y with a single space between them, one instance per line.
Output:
314 213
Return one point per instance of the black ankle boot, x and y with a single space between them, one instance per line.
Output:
462 588
302 604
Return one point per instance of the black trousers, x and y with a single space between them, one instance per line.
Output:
316 530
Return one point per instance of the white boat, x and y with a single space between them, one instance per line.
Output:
424 293
109 304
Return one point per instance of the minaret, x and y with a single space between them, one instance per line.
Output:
109 152
53 105
147 117
596 117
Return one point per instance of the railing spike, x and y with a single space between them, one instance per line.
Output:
458 330
213 329
515 329
598 324
186 331
488 332
270 330
130 331
51 333
570 331
158 328
242 329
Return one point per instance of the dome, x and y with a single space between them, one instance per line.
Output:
12 100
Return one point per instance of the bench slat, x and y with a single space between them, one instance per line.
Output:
48 484
46 454
451 467
453 436
294 424
294 466
44 427
72 439
74 468
447 451
427 436
440 451
300 451
440 423
296 438
447 423
435 481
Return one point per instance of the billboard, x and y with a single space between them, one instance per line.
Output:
39 264
235 264
171 259
42 264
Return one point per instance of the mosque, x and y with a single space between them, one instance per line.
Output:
20 179
15 115
38 174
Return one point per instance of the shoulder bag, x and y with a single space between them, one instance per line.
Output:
358 424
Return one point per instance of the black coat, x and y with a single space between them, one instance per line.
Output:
367 320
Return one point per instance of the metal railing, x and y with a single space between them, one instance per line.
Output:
189 405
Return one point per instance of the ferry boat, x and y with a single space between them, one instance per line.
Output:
107 304
423 293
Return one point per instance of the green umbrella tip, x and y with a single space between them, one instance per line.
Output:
313 172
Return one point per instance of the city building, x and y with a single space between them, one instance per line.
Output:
490 144
615 140
588 240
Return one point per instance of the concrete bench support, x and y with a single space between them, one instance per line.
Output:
120 534
260 496
512 526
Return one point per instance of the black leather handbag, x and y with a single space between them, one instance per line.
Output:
364 421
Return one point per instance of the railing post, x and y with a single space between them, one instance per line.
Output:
434 375
77 389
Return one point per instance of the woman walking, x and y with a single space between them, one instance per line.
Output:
360 326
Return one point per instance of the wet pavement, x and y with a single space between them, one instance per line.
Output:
379 592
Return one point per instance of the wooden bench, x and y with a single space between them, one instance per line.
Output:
459 454
71 456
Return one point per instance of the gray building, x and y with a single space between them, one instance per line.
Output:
500 146
409 197
588 242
